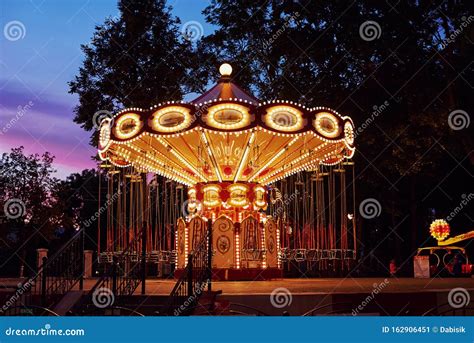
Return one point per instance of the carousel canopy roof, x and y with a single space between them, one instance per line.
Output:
226 135
225 89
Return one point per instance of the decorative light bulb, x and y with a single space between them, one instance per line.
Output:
225 69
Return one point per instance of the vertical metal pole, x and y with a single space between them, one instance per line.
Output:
209 255
190 275
43 282
114 275
143 261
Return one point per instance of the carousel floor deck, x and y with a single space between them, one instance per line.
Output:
305 286
399 296
323 285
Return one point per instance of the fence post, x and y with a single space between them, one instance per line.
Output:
40 253
81 253
209 255
88 258
143 261
43 282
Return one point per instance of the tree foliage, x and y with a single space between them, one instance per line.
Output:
399 83
28 211
313 52
28 179
77 199
137 59
39 210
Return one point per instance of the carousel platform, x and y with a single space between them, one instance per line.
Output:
394 296
316 286
321 286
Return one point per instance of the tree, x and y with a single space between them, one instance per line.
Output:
38 210
27 184
77 201
393 77
136 60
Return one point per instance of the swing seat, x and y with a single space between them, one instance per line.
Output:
300 255
310 253
159 256
165 256
283 254
134 257
105 257
252 254
153 256
110 257
332 254
349 254
313 254
291 254
173 256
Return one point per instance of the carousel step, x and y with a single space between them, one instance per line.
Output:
68 302
207 303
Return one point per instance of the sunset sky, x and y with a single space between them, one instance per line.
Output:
36 110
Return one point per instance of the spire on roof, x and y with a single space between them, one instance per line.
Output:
225 89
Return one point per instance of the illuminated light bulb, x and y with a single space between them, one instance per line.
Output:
225 69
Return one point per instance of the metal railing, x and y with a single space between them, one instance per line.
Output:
57 276
447 309
196 277
126 273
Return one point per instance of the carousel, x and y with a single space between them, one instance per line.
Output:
273 179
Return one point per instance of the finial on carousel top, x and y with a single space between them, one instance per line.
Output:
225 69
